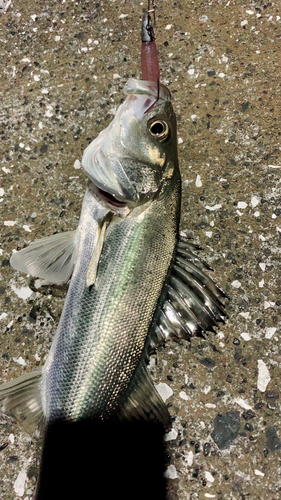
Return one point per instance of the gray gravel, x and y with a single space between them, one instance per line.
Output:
63 68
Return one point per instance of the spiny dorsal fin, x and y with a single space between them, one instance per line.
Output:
192 303
51 258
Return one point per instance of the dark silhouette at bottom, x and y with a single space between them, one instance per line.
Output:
102 460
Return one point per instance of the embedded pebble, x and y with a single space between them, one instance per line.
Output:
226 428
273 442
263 376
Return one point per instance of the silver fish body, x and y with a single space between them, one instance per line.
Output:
133 283
103 330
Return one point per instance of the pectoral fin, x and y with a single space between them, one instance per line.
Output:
93 266
21 399
51 258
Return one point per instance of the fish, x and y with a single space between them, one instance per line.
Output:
135 282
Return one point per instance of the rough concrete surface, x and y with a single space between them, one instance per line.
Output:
63 66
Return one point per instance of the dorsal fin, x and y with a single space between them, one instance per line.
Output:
192 304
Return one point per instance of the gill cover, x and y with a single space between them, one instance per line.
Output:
127 160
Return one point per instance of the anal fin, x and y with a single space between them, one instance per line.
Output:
143 401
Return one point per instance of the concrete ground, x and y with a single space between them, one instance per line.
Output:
63 66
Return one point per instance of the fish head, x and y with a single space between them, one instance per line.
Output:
131 159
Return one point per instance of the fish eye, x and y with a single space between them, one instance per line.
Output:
160 130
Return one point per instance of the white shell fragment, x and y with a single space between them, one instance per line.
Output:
77 164
255 201
242 403
164 390
209 477
245 336
171 472
198 182
258 473
19 483
20 361
236 284
170 436
189 458
242 204
263 376
269 332
183 395
23 293
215 207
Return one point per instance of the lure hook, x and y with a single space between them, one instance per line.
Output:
149 57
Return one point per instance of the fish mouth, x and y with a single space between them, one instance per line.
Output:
110 199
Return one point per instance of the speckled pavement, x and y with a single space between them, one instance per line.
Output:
63 66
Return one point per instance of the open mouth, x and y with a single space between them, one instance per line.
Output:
110 199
